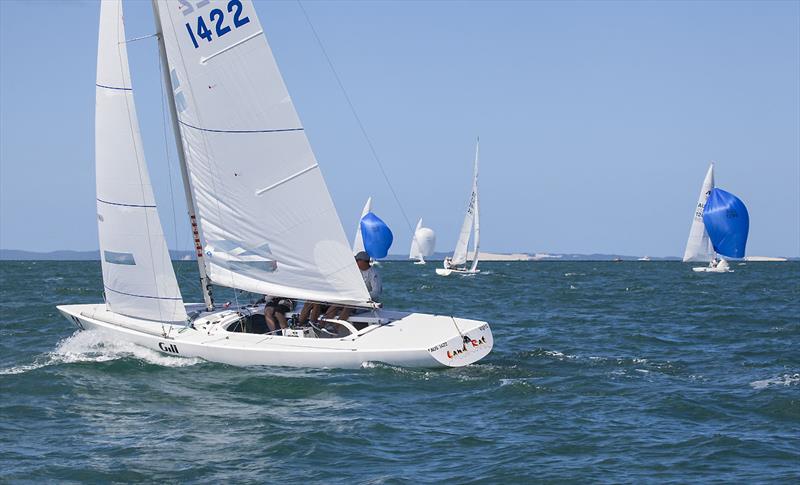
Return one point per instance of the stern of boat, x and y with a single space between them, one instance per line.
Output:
466 348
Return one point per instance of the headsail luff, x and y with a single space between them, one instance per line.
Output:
698 246
267 218
138 275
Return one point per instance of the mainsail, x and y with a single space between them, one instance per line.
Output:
698 246
268 222
358 239
137 271
471 221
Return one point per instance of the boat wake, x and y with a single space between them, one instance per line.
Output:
92 346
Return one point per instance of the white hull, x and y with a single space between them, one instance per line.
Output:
708 269
394 338
448 272
420 262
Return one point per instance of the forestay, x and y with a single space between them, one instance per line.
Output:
137 271
471 222
268 220
698 246
358 239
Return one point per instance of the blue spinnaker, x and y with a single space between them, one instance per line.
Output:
377 236
727 222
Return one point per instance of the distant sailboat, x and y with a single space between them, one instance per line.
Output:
719 228
470 227
358 240
261 214
423 243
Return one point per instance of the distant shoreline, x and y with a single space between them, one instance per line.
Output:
94 255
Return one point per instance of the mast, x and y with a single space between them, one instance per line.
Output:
205 282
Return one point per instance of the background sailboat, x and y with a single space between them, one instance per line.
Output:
727 222
470 226
423 243
701 245
358 239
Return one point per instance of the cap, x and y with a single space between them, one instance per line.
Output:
362 256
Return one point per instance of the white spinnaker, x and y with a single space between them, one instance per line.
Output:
137 271
698 246
460 252
423 242
268 220
358 239
415 253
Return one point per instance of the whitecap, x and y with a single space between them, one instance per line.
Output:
784 380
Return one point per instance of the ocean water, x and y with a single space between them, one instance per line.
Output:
601 372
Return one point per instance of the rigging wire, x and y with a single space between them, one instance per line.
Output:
357 118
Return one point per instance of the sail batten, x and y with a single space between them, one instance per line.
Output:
268 222
137 270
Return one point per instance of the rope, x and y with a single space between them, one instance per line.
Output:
358 120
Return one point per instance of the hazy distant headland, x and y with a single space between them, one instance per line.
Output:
177 255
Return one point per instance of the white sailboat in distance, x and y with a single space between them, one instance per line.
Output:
471 226
262 217
719 228
423 243
358 239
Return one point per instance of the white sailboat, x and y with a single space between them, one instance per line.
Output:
698 246
261 213
423 243
719 228
358 239
471 226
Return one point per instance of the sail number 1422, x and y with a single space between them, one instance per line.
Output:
217 24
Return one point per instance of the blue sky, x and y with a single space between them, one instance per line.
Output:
597 119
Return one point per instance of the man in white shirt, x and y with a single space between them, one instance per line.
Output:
371 278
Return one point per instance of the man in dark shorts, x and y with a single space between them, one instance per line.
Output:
275 312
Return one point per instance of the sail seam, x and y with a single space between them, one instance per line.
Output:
127 205
142 296
238 131
113 87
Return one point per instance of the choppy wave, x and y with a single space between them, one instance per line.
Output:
93 346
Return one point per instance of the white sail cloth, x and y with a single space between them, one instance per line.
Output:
698 246
422 243
137 271
358 239
471 222
267 218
